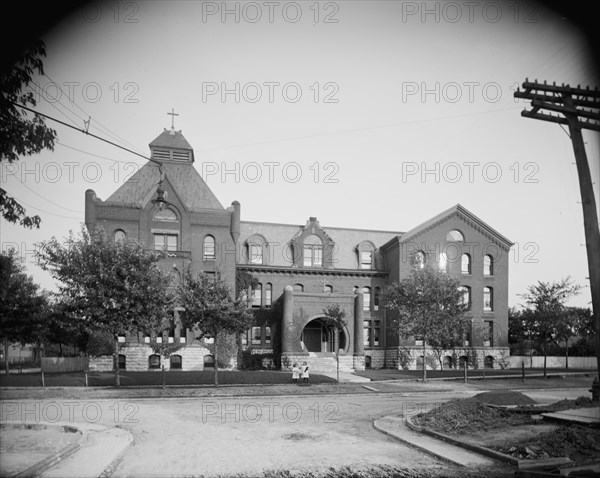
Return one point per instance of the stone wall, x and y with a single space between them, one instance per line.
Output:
377 357
103 363
408 358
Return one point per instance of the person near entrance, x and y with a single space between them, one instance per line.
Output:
295 373
305 372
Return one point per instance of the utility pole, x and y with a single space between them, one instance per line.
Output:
578 108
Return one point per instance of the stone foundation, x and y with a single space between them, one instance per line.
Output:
359 362
137 359
317 362
408 358
377 358
103 363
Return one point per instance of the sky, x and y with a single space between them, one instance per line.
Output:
364 114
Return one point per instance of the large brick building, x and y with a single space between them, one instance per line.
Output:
303 268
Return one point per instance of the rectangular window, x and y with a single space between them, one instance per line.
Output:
166 242
245 338
257 296
256 336
366 333
488 299
256 254
307 253
419 341
312 256
365 259
317 256
367 298
267 335
268 295
376 333
443 262
490 333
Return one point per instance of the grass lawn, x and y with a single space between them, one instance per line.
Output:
154 378
390 374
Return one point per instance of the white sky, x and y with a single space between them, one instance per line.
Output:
387 91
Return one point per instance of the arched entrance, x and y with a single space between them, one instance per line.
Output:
319 337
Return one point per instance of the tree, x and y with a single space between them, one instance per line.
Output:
107 286
546 302
20 134
428 305
335 318
22 305
574 321
209 306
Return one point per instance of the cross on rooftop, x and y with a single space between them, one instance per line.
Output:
173 114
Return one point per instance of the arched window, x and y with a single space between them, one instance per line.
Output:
209 248
175 362
312 251
455 236
174 277
488 265
488 299
465 264
420 259
298 288
154 361
120 236
366 298
466 296
167 215
328 288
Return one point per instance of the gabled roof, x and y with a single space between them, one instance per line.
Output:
465 215
185 180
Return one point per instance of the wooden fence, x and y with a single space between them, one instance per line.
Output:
64 364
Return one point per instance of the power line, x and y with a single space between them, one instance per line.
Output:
88 133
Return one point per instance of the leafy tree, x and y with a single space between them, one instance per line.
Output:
522 335
20 134
335 317
574 321
23 307
428 305
546 303
209 306
106 286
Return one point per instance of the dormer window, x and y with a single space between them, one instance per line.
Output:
365 255
312 251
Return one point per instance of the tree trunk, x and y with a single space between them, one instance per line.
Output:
6 366
216 363
566 353
424 365
545 355
116 361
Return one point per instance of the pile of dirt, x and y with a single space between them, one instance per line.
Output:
578 442
508 398
464 416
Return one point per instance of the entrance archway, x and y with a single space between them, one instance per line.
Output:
319 337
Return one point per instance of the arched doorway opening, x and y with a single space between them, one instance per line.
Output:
317 336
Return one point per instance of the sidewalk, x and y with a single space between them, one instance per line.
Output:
396 427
